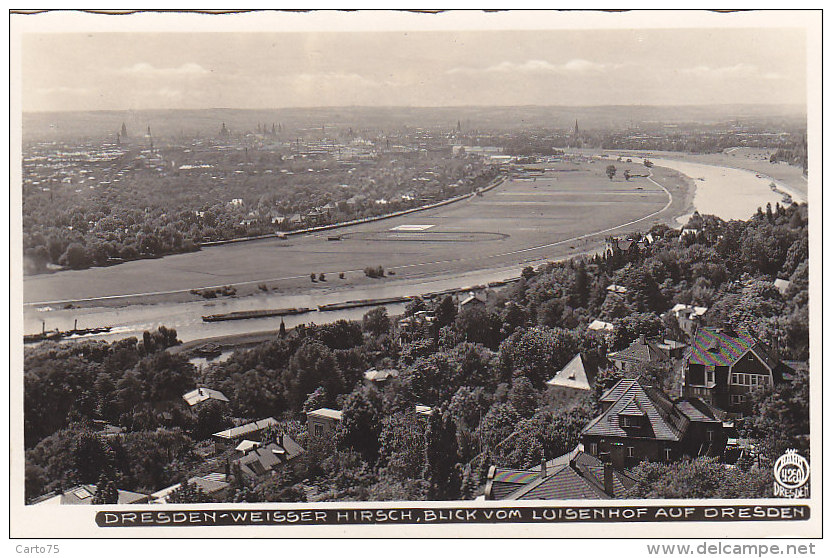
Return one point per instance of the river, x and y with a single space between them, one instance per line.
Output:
186 317
729 193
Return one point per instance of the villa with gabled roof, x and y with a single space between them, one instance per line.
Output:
641 422
723 365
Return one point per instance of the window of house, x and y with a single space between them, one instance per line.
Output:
319 430
742 379
631 451
628 421
667 454
709 375
710 435
737 399
593 448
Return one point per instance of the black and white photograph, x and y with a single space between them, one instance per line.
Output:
518 273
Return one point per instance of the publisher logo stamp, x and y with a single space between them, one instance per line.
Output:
791 473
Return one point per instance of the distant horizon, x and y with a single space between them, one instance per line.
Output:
802 106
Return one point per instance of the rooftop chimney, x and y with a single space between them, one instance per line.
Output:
642 339
609 485
617 455
542 467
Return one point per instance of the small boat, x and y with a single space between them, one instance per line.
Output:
361 303
248 314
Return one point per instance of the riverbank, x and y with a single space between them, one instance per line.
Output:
787 177
227 342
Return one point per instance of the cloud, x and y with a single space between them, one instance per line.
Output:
329 78
169 93
574 66
145 69
737 70
63 90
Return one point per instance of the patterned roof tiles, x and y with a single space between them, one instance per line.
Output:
573 476
719 347
640 351
663 421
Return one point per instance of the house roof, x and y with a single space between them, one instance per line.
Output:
264 459
503 482
695 310
720 347
670 344
209 484
663 420
203 394
598 325
250 428
326 413
374 375
782 285
424 410
573 375
83 495
640 350
797 365
475 297
620 289
573 476
698 410
246 445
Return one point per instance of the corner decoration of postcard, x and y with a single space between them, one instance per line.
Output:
409 274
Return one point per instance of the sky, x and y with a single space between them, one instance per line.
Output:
125 70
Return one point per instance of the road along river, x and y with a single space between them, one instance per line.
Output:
568 211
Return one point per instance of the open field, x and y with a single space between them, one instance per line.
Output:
569 210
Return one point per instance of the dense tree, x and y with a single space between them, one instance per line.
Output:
376 322
703 478
211 416
313 365
477 325
91 457
523 397
537 353
188 493
106 492
402 445
446 312
442 469
779 419
361 422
